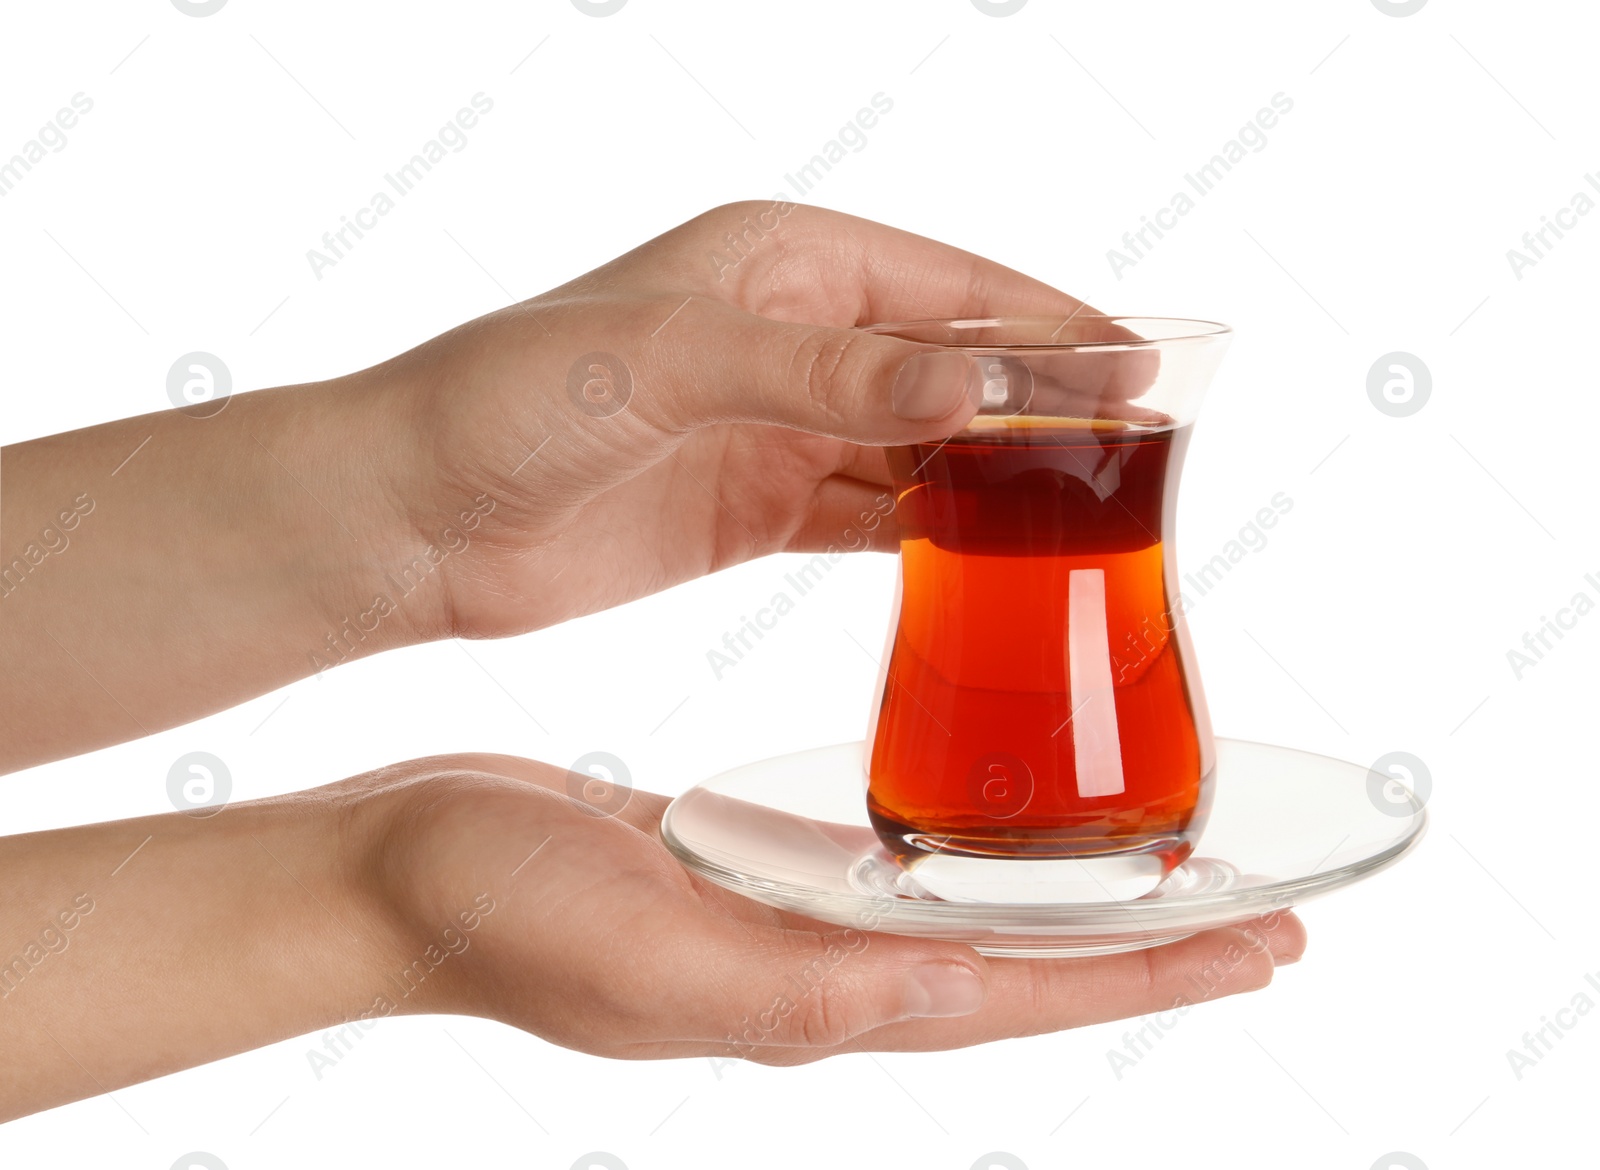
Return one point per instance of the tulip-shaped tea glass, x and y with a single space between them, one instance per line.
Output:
1041 764
1039 700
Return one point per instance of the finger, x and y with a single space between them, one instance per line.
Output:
779 350
809 264
716 364
1032 996
1028 997
752 986
847 516
868 464
1024 996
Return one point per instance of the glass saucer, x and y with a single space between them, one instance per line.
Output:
1286 826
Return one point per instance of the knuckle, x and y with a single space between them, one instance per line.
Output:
1044 996
1148 974
823 1019
786 1057
830 363
1142 977
669 387
737 210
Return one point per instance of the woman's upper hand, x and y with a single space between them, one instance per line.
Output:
702 400
597 939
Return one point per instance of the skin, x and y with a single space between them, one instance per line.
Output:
217 561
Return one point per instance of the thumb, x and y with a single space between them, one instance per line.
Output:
795 989
725 365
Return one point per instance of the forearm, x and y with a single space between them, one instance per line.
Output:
136 948
156 569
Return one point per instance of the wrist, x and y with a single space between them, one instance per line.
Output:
165 566
367 474
226 933
395 872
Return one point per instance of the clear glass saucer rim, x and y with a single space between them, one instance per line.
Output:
1136 915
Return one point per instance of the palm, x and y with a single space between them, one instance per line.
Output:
727 495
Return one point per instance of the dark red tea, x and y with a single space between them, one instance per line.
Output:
1037 699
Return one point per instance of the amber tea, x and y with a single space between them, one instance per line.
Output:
1040 699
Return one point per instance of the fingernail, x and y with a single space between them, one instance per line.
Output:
938 990
930 385
1286 950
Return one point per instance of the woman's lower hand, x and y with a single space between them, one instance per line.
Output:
599 940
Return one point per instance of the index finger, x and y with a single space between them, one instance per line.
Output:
1028 997
813 266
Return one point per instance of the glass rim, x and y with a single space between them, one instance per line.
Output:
1184 329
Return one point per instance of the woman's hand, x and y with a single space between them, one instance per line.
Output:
476 885
684 408
695 403
599 940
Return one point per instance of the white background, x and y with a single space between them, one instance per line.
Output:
1419 550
